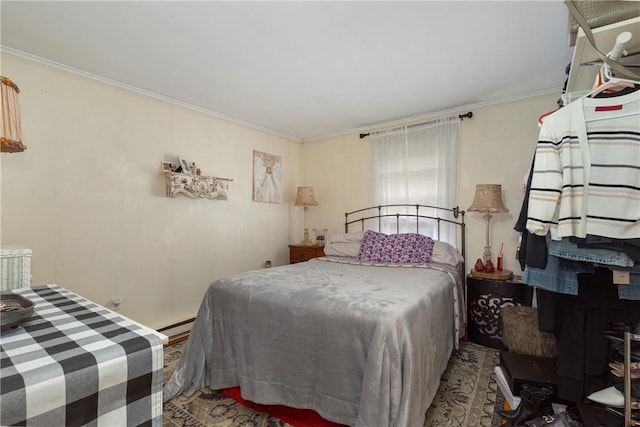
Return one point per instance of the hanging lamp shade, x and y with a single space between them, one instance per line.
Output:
10 123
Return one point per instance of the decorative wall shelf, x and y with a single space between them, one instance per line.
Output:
197 186
8 146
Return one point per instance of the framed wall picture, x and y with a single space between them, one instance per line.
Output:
185 165
267 177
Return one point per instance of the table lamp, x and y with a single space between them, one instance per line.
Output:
305 199
488 199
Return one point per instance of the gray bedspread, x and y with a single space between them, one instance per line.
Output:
361 345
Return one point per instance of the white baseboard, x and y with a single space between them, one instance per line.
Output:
177 329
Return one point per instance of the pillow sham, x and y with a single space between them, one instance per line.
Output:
347 237
444 253
395 248
348 249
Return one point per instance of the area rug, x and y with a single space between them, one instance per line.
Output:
468 397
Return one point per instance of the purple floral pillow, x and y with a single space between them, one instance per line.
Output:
409 248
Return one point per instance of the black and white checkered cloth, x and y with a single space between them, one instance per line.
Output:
77 363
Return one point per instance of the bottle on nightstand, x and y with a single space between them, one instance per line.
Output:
320 235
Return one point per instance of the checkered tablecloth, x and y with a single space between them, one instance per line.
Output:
77 363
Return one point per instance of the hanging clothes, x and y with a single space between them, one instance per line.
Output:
533 249
586 185
587 170
565 261
578 322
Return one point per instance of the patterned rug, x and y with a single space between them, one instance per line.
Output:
467 397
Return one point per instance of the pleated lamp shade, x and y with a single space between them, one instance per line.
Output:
488 198
10 122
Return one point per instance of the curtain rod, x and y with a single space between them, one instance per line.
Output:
460 116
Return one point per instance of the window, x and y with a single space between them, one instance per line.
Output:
416 165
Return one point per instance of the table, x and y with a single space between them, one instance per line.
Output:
75 362
485 300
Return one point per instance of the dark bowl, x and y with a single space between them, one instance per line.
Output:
14 309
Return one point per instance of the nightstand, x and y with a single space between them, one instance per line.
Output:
485 300
301 253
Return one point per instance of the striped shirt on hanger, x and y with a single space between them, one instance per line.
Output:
586 176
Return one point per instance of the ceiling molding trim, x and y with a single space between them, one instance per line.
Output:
357 131
141 91
434 115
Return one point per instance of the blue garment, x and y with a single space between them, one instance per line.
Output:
630 291
552 277
566 249
561 272
630 247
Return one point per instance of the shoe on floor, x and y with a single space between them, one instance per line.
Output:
609 396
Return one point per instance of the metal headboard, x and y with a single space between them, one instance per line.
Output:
376 212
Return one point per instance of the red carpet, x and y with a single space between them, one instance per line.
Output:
295 417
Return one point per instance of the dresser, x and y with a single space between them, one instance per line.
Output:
301 253
15 267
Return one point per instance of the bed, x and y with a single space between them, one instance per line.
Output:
363 340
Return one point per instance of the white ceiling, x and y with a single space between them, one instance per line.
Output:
304 69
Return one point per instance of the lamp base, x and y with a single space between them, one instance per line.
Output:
486 255
306 241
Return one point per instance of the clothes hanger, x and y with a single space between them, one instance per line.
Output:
544 115
612 84
605 80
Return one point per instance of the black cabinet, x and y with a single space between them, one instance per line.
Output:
485 300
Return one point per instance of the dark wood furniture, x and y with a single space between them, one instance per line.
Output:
301 253
485 300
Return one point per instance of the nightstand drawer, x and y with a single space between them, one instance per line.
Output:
300 253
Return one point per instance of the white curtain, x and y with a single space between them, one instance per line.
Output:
416 165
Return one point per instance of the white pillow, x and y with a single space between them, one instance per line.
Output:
350 249
444 253
347 237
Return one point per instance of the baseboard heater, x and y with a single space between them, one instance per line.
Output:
178 331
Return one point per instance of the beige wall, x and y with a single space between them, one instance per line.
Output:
88 199
497 146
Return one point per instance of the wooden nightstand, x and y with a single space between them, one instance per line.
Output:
485 300
300 253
